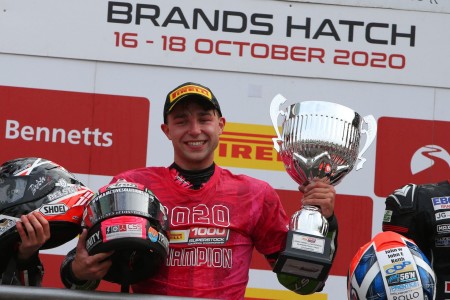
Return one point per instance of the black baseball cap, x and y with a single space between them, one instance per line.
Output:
190 90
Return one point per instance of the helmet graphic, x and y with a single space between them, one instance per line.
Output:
128 218
390 267
37 184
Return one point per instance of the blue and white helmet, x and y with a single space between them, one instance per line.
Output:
390 267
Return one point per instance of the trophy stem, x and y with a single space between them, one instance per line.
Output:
309 220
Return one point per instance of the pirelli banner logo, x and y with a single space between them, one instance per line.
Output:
248 146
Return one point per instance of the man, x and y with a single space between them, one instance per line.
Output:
21 265
422 213
201 196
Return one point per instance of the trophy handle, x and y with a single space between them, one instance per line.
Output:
371 133
274 113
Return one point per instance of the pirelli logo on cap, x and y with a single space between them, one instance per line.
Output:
190 89
248 146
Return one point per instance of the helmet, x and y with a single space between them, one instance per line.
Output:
128 218
390 267
37 184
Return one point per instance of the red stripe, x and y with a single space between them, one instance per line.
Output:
266 136
395 228
245 141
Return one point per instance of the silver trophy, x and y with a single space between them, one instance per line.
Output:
319 139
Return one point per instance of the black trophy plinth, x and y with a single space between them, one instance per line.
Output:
305 255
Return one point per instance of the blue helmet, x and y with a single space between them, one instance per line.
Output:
390 267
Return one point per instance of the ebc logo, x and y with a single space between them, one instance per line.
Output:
83 132
402 159
441 202
248 146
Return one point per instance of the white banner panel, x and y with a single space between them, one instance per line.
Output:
257 36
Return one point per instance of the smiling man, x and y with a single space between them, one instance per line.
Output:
216 218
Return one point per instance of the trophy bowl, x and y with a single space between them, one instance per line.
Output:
318 139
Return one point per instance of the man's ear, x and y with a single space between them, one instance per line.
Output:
165 129
222 122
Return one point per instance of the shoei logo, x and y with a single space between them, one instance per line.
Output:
84 132
248 146
417 152
53 209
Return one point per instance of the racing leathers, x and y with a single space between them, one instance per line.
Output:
213 231
422 213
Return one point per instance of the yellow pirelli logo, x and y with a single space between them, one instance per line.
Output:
177 236
191 89
248 146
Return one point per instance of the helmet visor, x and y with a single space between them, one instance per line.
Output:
124 201
11 191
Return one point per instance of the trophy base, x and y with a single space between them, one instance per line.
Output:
305 255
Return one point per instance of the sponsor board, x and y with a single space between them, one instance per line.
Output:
248 146
401 159
83 132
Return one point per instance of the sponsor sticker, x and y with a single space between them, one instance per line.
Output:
7 222
441 202
387 216
93 240
443 228
308 243
399 273
53 209
123 227
444 215
442 242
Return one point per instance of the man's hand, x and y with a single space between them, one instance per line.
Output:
34 231
86 267
320 193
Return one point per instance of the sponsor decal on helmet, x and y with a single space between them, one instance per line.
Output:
38 184
53 209
93 240
7 222
152 234
62 192
123 227
61 182
163 241
122 184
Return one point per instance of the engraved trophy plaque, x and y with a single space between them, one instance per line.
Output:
318 139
